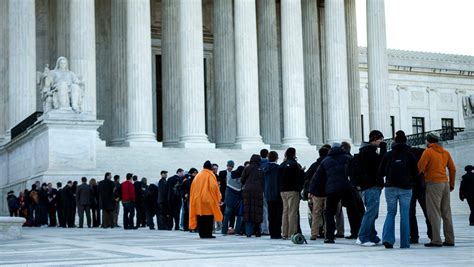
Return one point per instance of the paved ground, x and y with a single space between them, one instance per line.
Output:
48 246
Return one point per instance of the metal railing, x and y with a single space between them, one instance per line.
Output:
25 124
419 139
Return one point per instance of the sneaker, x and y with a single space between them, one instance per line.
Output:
313 237
368 244
433 245
448 244
387 245
351 237
358 242
413 241
329 241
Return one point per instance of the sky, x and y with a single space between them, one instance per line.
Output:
442 26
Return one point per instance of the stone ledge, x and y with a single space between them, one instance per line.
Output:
10 227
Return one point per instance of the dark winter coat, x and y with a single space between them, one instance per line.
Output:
252 191
291 176
271 182
139 193
13 202
162 191
68 197
151 197
234 197
83 195
222 179
94 196
106 195
466 190
174 187
332 172
369 162
316 189
402 177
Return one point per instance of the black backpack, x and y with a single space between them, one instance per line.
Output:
397 170
354 170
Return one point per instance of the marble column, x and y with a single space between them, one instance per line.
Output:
21 60
336 72
403 98
324 94
268 71
246 75
435 120
379 110
312 72
224 71
353 72
139 90
62 27
460 94
294 117
119 70
82 59
191 71
170 70
4 126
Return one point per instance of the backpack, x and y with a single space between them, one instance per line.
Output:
177 189
354 170
397 171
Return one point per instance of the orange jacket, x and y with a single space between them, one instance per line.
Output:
204 197
433 165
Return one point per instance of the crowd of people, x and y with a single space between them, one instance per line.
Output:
262 196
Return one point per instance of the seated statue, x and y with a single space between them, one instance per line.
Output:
468 106
61 88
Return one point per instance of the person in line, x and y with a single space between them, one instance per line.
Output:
52 203
433 164
371 185
233 197
95 202
186 190
107 201
291 175
139 187
466 191
174 184
117 197
13 204
128 202
43 204
204 206
68 201
163 218
264 162
252 195
272 185
59 204
83 199
398 167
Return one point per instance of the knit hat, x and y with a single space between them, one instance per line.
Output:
230 163
432 137
207 165
400 137
468 168
375 135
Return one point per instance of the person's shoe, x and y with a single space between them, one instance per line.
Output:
329 241
258 235
152 228
321 236
445 244
387 245
413 241
284 237
351 237
313 237
430 244
339 236
80 227
248 235
358 242
368 244
471 224
275 237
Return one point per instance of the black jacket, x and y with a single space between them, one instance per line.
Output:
106 195
271 182
162 191
369 162
316 189
68 197
291 176
151 196
332 172
139 193
399 168
83 194
174 188
466 190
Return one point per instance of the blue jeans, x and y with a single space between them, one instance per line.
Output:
251 228
392 195
225 225
371 198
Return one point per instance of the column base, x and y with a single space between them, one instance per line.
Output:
338 140
195 141
296 142
141 139
250 142
171 143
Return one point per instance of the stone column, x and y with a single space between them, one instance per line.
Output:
139 90
460 94
119 70
268 72
4 126
170 71
62 28
336 69
191 70
294 116
379 110
405 121
312 72
324 91
353 72
82 58
246 75
224 71
435 120
21 60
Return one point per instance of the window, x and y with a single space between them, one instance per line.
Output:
418 124
447 123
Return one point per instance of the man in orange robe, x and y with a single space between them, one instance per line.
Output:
205 199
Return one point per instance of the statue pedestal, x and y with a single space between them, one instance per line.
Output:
61 146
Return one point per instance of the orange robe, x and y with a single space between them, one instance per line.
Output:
204 197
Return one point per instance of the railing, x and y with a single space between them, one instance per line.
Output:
420 138
24 124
